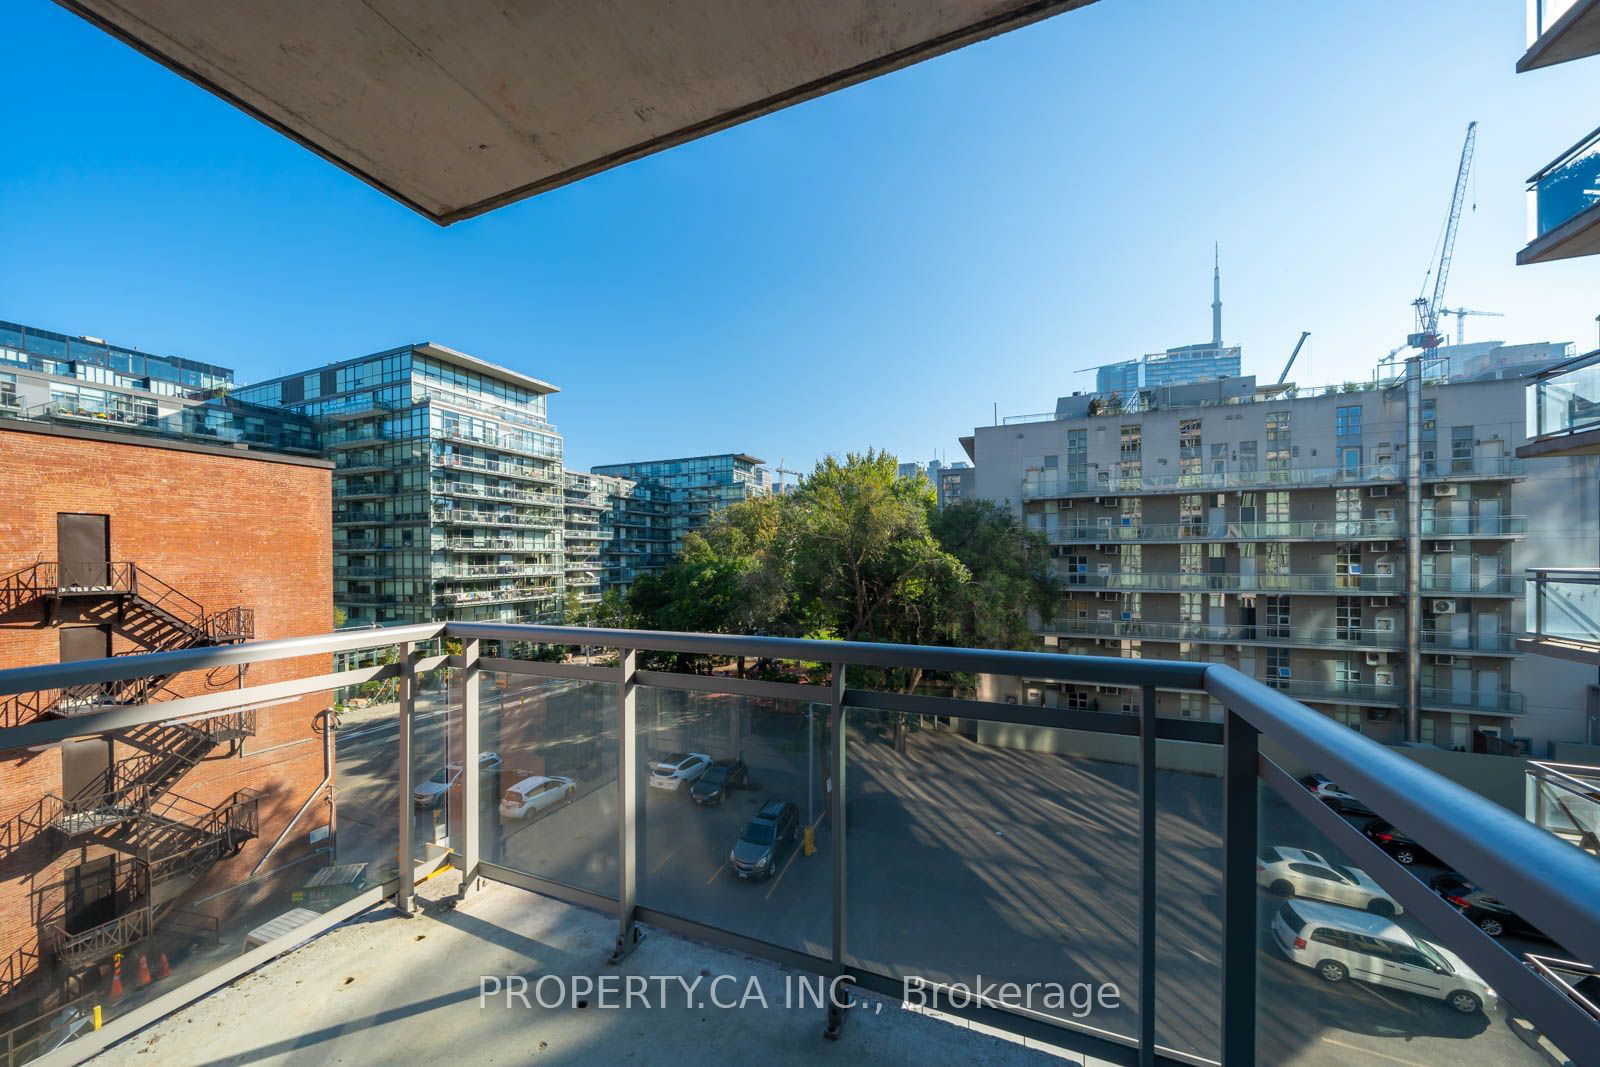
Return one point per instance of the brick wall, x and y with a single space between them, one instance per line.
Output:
224 530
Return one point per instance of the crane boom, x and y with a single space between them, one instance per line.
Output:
1428 309
1297 346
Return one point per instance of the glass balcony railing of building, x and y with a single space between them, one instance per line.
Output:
1206 530
1543 14
882 781
1037 487
1492 584
1567 187
508 412
1258 583
1565 398
1563 606
1225 633
1473 525
1155 400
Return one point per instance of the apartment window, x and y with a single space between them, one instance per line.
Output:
1347 505
1129 475
1347 566
1249 506
1219 459
1430 415
1347 618
1461 448
1078 700
1189 433
1132 606
1191 513
1346 673
1247 457
1191 705
1130 559
1279 450
1190 469
1275 560
1277 507
1077 446
1132 510
1275 616
1051 462
1350 717
1077 568
1191 607
1349 457
1130 440
1347 421
1278 667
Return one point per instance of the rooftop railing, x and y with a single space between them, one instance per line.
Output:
953 840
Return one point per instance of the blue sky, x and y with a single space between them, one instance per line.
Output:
881 267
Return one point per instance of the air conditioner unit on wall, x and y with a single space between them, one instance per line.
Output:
1444 489
1444 607
1379 546
1376 659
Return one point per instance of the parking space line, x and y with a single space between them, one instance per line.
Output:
716 872
792 857
1370 1052
664 860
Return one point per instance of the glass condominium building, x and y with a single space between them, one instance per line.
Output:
449 495
692 489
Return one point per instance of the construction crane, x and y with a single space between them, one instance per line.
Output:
1297 346
780 470
1428 309
1461 320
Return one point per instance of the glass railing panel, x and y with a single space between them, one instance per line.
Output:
1346 974
1188 924
728 788
1565 610
1565 402
1006 852
1567 189
549 805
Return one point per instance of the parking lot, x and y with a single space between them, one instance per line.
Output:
963 860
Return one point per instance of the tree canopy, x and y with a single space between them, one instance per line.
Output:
858 553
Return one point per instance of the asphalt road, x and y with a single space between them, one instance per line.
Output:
962 860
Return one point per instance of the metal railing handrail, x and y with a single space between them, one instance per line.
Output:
1530 870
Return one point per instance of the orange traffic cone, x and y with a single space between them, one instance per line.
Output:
116 977
163 970
144 972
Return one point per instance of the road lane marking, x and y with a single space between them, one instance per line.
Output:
792 857
1372 1052
664 860
716 872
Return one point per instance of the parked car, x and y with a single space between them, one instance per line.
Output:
1339 943
719 779
535 794
766 840
1324 789
671 771
431 794
1492 917
1298 872
1397 843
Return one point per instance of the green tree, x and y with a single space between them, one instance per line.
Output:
1011 573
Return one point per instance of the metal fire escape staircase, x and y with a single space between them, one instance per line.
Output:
168 840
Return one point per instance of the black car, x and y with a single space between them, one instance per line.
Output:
1492 917
720 779
766 839
1396 843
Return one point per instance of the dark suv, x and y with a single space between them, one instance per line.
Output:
766 839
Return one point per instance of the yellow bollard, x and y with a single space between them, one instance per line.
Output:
97 1016
811 841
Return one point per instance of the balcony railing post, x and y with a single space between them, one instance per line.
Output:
1147 876
836 826
471 818
627 804
403 899
1239 744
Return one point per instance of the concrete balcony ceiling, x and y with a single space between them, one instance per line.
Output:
457 109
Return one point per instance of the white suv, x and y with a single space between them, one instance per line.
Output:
669 772
1339 943
1298 872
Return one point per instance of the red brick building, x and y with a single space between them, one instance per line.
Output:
113 544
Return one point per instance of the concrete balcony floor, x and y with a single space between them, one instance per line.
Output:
386 989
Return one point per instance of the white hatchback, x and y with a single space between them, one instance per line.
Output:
1339 943
1299 872
533 795
669 772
